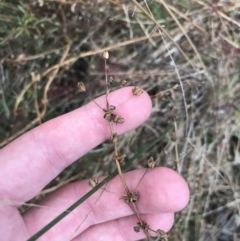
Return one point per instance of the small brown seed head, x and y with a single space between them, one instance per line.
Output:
124 82
112 108
93 182
110 81
136 229
144 226
134 196
118 119
105 55
108 116
137 91
161 234
81 86
125 199
151 162
120 159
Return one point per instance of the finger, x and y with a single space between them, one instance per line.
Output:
161 190
123 229
35 158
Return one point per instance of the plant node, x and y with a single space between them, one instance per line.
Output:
112 117
120 159
131 198
136 229
137 91
144 226
118 119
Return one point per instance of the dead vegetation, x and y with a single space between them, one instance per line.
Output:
185 54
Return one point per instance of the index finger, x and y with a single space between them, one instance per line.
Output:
38 156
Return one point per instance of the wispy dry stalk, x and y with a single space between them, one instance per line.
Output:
131 197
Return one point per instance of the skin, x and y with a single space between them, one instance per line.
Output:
30 162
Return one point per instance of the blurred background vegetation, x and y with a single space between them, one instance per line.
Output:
47 46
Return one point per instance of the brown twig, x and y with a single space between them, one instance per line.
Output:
131 197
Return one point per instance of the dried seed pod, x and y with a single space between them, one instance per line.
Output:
35 76
137 91
162 235
124 82
109 109
125 199
118 119
136 229
146 227
112 108
81 86
151 162
134 196
110 81
108 116
143 226
105 55
93 182
131 198
120 159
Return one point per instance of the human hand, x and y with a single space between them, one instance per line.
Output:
30 162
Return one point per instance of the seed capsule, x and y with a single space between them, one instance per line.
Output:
118 119
108 116
81 86
124 82
151 162
105 55
137 91
93 182
136 229
112 108
110 81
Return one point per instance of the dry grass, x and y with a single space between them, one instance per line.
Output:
45 50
